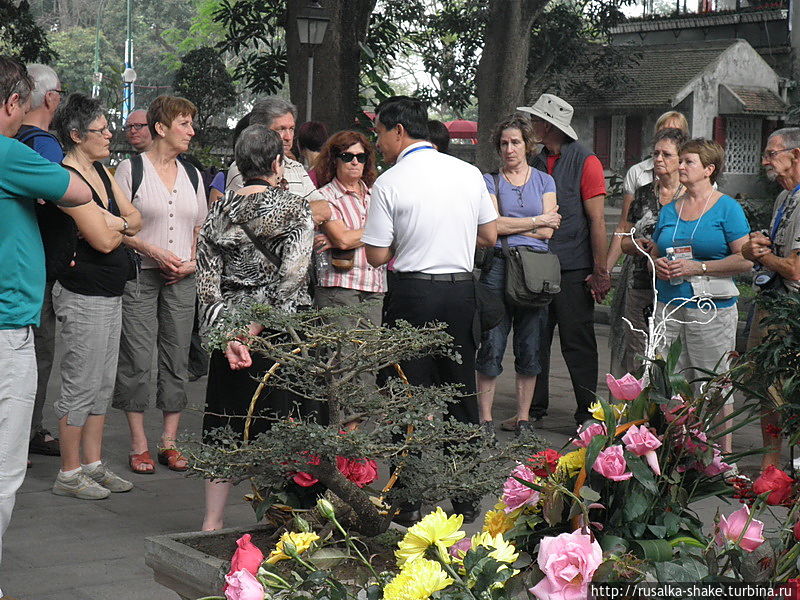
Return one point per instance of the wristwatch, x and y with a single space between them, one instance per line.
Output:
533 220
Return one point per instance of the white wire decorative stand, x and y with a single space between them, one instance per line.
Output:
656 335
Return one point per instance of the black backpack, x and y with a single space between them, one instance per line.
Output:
58 230
137 172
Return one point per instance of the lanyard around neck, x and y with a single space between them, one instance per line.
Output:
418 148
697 224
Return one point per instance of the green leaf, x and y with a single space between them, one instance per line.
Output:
655 550
673 355
612 543
595 446
658 530
327 558
672 522
610 418
688 571
589 494
373 592
635 505
641 471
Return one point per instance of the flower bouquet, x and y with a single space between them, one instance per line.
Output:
434 559
618 505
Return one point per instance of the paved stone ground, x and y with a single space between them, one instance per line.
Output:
64 549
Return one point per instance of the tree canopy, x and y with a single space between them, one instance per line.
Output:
20 36
203 79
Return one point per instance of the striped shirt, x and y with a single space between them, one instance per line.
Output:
169 216
352 211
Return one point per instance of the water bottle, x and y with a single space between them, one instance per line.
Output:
321 263
671 256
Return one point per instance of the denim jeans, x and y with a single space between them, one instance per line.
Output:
528 325
17 393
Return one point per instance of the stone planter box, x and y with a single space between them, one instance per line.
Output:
180 564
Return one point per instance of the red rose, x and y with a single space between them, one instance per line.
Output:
775 481
305 479
247 556
360 471
544 463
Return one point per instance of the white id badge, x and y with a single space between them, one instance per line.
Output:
683 252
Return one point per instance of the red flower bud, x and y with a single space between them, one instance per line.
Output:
796 531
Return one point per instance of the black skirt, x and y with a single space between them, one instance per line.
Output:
229 393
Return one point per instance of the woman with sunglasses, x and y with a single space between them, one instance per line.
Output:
345 170
526 202
87 300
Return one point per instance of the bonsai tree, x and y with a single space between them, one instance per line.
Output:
323 355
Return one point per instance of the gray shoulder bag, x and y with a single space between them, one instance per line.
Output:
533 277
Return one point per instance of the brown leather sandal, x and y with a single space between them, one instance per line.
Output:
173 459
142 463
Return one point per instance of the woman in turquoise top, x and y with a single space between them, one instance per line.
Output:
707 230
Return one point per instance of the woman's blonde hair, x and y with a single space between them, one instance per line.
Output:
673 115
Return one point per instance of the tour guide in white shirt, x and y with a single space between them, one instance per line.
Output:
428 211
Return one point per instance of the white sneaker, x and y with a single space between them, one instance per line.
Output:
108 479
79 486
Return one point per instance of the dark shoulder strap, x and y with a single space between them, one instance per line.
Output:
30 133
496 176
269 254
112 201
95 195
137 172
191 171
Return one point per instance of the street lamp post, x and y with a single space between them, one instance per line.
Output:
129 75
312 21
97 77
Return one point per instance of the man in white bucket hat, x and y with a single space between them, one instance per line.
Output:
580 244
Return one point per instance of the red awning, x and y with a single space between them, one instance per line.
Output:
461 129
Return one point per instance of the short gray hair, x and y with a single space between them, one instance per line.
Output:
789 135
255 150
76 113
266 110
44 80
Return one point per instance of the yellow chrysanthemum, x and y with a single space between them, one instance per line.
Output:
417 580
572 462
435 529
597 410
503 551
498 522
301 542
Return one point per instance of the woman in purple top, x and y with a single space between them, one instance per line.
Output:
525 199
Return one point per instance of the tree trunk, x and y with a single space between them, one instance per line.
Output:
369 520
502 68
337 62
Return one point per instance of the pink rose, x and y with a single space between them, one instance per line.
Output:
716 467
626 388
585 437
731 529
568 562
611 464
247 556
358 470
243 585
680 414
306 479
516 494
640 441
460 548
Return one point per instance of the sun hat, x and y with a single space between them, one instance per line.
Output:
553 110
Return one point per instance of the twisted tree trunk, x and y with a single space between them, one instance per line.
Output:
502 68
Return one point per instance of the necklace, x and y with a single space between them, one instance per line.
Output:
524 181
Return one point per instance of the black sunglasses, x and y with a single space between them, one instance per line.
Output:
349 156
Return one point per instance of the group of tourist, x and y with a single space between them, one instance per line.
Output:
133 263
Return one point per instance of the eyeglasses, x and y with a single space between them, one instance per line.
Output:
59 92
102 131
770 154
349 156
135 126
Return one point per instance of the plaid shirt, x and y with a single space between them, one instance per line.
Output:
352 210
